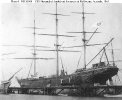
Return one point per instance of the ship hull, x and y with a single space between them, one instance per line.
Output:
83 78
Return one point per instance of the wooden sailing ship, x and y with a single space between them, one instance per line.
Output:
99 73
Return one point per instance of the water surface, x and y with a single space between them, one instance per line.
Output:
45 97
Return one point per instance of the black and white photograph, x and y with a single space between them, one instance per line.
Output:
60 50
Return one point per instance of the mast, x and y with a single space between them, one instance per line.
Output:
100 51
84 36
84 33
57 54
57 42
34 54
112 54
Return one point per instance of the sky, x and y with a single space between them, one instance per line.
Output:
15 17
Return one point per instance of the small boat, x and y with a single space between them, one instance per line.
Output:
5 84
110 95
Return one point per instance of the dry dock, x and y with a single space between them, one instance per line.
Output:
69 90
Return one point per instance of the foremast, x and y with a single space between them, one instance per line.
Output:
84 33
57 44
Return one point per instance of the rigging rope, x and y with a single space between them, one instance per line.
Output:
119 79
115 80
78 62
92 55
30 68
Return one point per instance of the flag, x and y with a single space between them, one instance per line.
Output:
97 24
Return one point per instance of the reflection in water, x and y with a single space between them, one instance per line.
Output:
45 97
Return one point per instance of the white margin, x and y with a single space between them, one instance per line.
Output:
33 1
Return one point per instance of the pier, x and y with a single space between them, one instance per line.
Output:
68 90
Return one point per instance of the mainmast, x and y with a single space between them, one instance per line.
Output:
57 42
84 35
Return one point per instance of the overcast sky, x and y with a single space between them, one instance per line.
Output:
14 17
